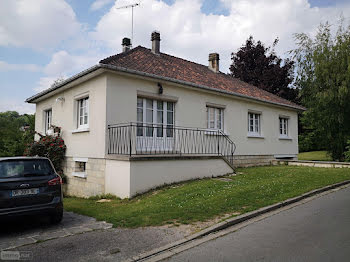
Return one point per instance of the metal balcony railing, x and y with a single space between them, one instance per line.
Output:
153 139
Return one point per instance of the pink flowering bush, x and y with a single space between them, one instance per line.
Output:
50 147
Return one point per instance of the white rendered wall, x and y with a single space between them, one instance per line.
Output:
190 111
146 175
89 144
117 178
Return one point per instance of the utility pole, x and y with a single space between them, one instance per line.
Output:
132 18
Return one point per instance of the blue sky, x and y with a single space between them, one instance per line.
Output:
42 40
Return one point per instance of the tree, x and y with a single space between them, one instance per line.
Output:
260 66
323 76
15 132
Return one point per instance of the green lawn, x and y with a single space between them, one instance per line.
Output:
315 156
204 199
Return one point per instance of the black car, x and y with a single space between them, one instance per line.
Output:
30 186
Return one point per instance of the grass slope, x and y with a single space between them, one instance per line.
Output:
315 156
204 199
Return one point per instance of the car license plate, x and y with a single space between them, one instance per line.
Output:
24 192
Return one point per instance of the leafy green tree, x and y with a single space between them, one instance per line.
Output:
260 66
323 76
15 132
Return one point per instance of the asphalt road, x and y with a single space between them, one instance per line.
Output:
318 230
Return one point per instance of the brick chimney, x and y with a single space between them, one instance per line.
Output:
155 38
214 62
126 44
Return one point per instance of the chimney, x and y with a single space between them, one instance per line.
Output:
126 44
214 62
155 38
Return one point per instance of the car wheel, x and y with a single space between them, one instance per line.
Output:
56 217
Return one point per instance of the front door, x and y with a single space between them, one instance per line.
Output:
155 126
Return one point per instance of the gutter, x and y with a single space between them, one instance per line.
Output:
168 79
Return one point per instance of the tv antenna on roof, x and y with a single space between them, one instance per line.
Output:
132 18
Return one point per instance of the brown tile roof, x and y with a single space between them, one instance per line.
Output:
143 60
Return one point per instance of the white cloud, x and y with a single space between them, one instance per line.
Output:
16 105
185 31
4 66
37 24
64 64
188 33
98 4
45 83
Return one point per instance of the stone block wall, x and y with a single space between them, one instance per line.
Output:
94 182
249 161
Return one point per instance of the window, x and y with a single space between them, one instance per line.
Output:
25 168
283 127
83 112
170 119
155 118
215 117
254 124
48 119
80 167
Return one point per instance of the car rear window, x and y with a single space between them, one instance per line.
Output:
23 168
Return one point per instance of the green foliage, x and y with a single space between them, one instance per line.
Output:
347 152
50 147
260 66
205 199
323 65
15 132
315 156
309 141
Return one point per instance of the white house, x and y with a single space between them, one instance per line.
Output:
142 118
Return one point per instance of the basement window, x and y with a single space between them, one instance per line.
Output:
80 167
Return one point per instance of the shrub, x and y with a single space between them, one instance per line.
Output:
52 148
347 152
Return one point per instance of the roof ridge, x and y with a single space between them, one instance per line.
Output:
162 53
188 61
119 55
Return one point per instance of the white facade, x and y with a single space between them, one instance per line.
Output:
112 99
190 111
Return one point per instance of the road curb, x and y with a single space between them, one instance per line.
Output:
230 222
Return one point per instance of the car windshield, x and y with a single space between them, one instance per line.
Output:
23 168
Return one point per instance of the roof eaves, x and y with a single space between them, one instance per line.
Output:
136 72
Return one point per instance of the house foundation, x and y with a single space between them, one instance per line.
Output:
127 176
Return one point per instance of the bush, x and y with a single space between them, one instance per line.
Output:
347 152
309 141
52 148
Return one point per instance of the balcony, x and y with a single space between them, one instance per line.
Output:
135 139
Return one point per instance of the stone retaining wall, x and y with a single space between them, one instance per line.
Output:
248 161
94 182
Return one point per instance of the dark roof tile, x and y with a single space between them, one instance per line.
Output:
164 65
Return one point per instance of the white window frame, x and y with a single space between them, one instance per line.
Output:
85 112
148 127
80 174
283 127
218 118
47 119
256 117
